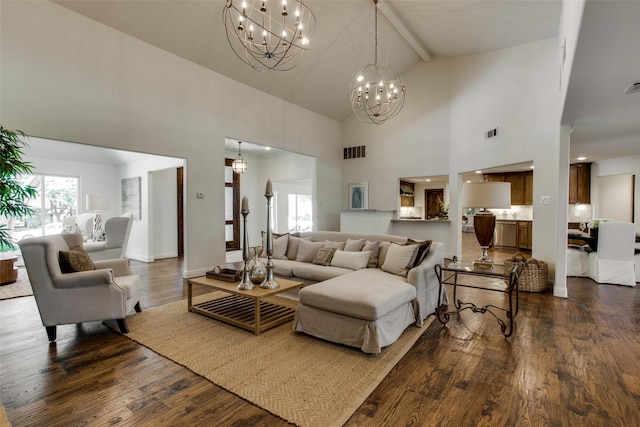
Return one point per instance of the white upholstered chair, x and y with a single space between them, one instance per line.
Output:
613 262
578 260
107 293
117 230
85 223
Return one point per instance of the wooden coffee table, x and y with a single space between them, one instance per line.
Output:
244 309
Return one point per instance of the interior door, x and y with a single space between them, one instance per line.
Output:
231 207
433 198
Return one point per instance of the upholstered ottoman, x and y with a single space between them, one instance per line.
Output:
368 309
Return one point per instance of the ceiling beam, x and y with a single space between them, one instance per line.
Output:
401 27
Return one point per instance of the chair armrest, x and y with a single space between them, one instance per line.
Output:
120 266
83 279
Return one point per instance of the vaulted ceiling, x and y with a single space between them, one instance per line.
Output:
408 31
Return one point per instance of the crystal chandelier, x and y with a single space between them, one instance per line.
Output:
377 92
268 35
239 165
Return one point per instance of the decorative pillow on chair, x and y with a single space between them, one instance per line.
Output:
421 253
399 258
75 260
100 236
350 260
324 255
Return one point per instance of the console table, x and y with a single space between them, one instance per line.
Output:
458 268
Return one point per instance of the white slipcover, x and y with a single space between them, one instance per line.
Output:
613 262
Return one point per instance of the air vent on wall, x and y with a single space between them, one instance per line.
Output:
633 87
491 133
354 152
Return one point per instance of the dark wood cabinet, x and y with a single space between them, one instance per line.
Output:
580 183
407 197
521 185
524 234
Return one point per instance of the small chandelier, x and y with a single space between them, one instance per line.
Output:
239 165
377 92
267 36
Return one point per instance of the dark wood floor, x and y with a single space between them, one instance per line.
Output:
571 362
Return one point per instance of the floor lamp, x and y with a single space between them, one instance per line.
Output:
97 203
485 195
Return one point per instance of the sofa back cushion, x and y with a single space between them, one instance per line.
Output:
292 246
354 245
307 250
334 245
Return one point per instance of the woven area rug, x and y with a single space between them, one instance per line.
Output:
20 288
306 381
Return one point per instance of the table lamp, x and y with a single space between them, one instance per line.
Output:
97 203
485 195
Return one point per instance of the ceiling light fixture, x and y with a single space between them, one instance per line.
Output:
239 165
266 36
377 92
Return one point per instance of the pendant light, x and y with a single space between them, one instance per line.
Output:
377 92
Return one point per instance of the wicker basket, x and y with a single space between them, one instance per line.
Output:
534 276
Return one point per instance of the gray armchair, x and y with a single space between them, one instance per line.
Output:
116 230
109 292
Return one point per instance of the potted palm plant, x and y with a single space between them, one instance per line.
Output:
13 194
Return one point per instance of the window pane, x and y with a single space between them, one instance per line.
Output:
228 204
228 175
228 232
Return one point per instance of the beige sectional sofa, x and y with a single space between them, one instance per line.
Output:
365 296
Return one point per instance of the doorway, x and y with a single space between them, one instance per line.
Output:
434 198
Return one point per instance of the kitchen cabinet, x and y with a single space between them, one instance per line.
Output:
580 183
524 234
407 198
521 185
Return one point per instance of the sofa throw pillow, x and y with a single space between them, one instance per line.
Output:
398 259
307 250
336 245
382 254
354 245
421 253
350 260
324 256
374 249
292 246
280 242
75 260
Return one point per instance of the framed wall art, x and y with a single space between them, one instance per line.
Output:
131 196
359 195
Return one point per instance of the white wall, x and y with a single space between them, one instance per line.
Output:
624 165
165 213
451 102
67 77
141 240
